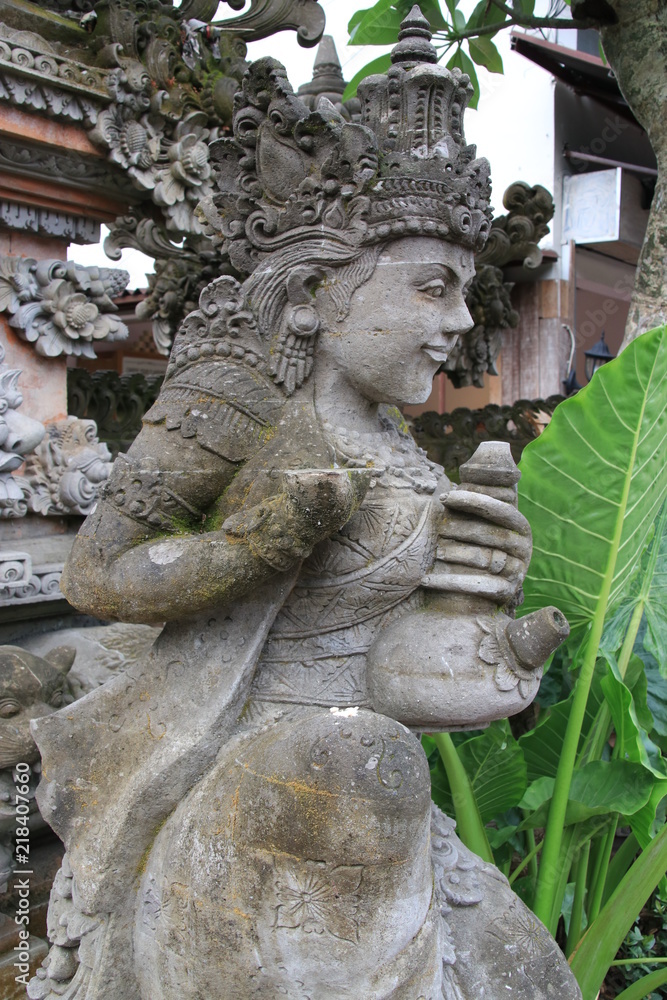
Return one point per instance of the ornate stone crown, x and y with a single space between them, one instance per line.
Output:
290 174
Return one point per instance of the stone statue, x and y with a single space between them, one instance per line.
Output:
240 821
30 686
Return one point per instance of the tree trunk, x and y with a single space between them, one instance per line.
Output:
636 49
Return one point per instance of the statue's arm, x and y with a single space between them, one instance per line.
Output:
124 567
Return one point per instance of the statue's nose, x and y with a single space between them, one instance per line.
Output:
457 319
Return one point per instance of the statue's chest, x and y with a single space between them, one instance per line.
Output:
356 581
372 565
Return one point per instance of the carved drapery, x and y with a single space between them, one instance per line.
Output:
59 306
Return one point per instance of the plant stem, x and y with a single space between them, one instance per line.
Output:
532 859
600 873
553 835
521 22
619 865
630 637
647 960
468 820
599 945
528 860
576 919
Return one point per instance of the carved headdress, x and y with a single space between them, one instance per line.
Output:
291 175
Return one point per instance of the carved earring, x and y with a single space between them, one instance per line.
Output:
293 355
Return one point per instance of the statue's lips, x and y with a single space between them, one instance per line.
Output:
439 354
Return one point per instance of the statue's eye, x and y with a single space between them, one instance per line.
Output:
9 707
56 699
434 289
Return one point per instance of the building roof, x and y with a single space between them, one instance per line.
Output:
584 73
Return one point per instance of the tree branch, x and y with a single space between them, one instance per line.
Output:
520 21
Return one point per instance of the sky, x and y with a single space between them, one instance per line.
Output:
513 127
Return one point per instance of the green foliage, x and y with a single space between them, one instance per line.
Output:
593 487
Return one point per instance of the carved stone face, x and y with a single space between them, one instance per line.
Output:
402 322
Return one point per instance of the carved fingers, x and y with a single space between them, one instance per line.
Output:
484 535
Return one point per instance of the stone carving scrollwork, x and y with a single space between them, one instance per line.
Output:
35 75
266 17
59 306
67 470
28 219
80 171
514 237
489 303
19 434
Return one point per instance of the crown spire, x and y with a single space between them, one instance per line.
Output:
327 73
414 40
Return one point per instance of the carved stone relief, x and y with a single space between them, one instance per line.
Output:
59 306
67 470
19 434
514 237
45 222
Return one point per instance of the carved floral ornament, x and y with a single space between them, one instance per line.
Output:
59 306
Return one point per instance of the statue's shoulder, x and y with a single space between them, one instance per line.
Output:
217 389
228 404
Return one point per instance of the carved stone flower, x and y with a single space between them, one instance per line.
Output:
132 144
184 182
509 674
315 900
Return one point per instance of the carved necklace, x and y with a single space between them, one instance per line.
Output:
399 461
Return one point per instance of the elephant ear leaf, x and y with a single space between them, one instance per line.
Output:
593 483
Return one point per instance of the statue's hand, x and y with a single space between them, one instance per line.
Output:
487 536
313 504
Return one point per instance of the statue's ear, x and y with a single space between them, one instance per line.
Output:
61 657
301 284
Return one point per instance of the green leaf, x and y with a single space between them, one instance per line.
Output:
633 744
485 53
378 26
604 937
379 65
632 741
656 696
543 746
486 13
598 788
593 483
460 60
644 986
645 589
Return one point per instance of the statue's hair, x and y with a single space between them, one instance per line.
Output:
346 267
